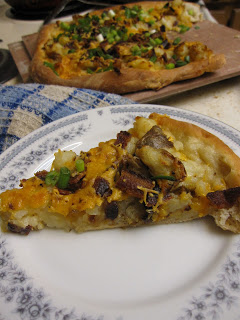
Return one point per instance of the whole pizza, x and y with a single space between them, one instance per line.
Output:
123 49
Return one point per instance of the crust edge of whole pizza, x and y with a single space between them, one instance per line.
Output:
124 79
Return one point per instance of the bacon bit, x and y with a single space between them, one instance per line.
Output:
91 218
64 192
117 65
111 210
17 229
130 182
152 197
71 45
123 138
77 178
102 187
22 181
156 35
74 183
41 174
10 206
224 198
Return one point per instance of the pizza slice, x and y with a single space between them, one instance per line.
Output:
160 171
123 49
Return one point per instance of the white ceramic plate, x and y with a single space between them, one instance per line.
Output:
180 272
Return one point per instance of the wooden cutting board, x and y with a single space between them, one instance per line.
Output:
217 37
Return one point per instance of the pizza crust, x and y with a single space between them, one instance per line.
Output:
127 79
229 161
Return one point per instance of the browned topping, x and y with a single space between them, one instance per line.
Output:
133 163
123 138
155 138
91 218
102 187
41 174
224 198
152 198
17 229
130 182
111 210
76 182
54 55
64 192
10 206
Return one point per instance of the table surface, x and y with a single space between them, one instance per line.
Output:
220 100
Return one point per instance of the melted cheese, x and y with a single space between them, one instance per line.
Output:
75 62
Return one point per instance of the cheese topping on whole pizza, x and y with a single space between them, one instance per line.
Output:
132 37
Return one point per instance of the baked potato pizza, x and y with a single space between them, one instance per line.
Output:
123 49
160 171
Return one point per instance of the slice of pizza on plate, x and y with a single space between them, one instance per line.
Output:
123 49
160 171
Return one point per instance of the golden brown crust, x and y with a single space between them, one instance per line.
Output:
222 152
128 79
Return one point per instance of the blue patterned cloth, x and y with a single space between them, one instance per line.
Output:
25 108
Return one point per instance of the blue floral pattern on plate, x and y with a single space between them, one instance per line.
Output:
215 300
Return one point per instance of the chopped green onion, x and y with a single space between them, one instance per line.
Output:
104 14
52 178
63 178
125 37
151 22
183 28
117 38
196 27
76 37
90 71
59 36
152 42
71 51
65 26
187 59
191 12
170 66
133 12
51 66
177 41
98 52
79 165
153 59
109 68
95 18
85 24
158 41
171 178
180 63
136 51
